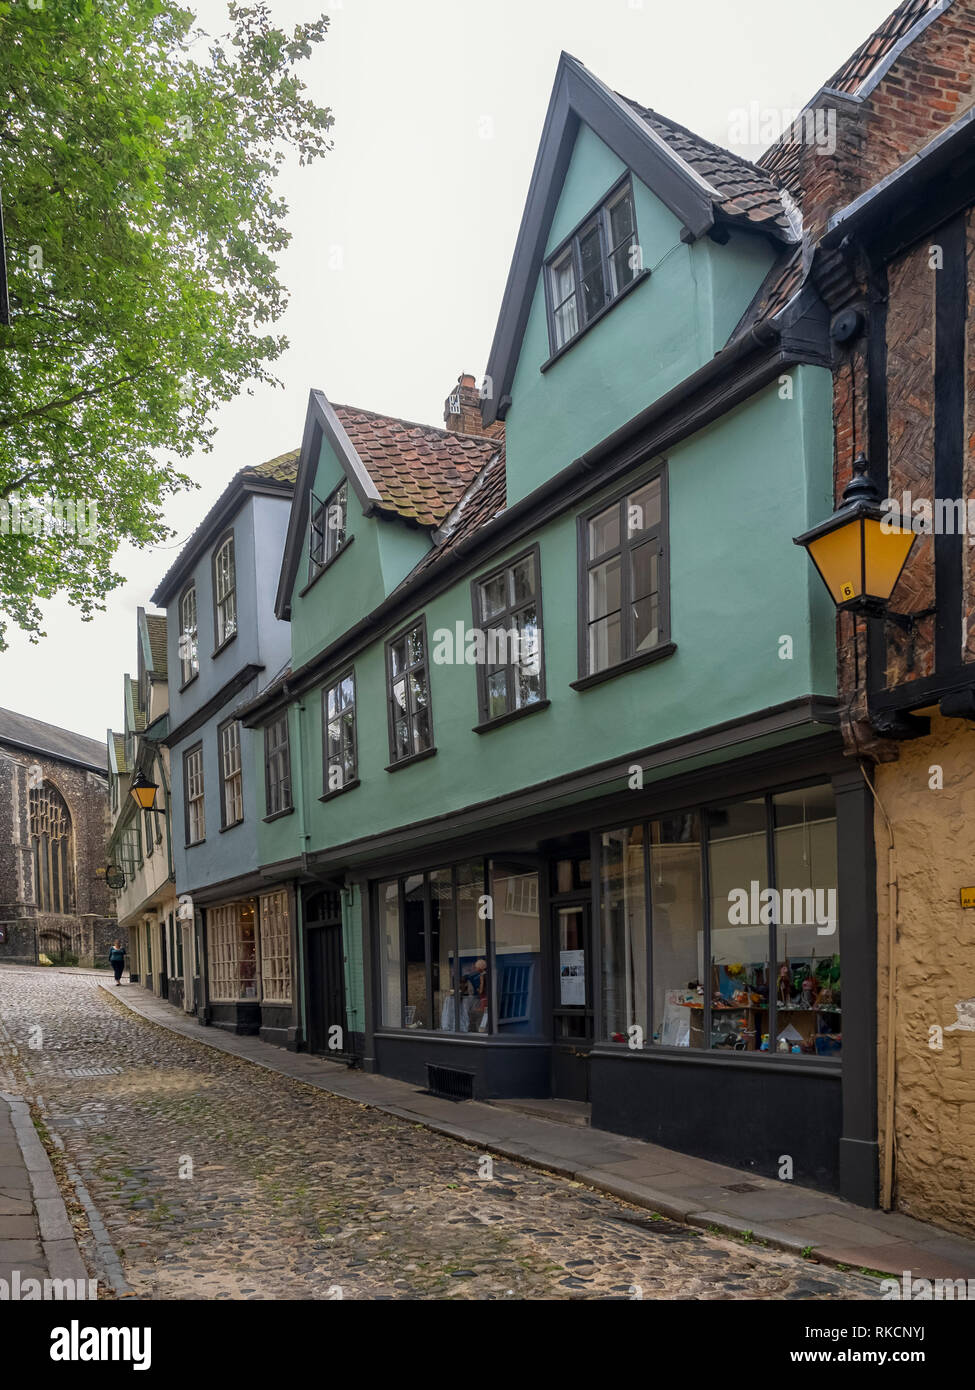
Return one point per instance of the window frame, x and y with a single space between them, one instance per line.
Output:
334 684
395 763
228 538
598 216
281 749
188 753
315 505
185 680
485 719
225 823
659 535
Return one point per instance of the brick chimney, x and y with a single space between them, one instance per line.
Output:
462 410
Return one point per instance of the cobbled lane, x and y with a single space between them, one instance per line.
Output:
217 1179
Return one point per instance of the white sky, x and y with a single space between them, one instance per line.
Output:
438 110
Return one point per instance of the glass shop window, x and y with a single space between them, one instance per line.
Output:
391 985
678 931
623 912
517 948
739 966
808 993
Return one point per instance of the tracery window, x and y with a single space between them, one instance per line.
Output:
52 843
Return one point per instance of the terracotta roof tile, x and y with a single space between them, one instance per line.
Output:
747 192
481 502
874 49
420 471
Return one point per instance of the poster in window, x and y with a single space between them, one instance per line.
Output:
572 977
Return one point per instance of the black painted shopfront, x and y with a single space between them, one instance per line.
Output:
672 956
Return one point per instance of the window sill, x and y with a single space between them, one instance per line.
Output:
487 725
327 566
596 318
413 758
328 796
633 664
192 844
276 815
232 826
722 1057
186 684
224 645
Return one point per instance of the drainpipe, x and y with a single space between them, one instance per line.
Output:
887 1179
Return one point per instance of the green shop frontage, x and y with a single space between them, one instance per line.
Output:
684 941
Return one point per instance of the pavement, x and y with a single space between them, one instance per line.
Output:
677 1186
36 1237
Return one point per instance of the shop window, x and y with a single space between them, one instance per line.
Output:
808 982
463 946
759 960
232 946
678 936
624 928
739 974
391 984
275 925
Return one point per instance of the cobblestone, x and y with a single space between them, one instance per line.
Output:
216 1179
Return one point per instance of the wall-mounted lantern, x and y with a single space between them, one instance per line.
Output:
143 792
859 560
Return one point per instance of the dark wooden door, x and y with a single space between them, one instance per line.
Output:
326 974
163 967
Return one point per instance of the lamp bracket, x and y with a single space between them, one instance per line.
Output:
907 622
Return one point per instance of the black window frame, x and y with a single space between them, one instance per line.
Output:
226 824
187 754
413 756
320 508
280 750
598 216
328 792
191 587
485 719
219 643
659 535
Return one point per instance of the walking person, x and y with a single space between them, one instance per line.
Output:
116 959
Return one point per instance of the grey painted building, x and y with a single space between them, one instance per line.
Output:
224 645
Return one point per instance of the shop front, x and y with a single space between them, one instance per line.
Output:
694 963
249 950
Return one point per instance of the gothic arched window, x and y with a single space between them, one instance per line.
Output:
51 840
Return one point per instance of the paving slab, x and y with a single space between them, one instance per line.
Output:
677 1185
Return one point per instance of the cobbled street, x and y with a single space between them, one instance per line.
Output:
293 1193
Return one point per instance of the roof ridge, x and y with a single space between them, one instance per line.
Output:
416 424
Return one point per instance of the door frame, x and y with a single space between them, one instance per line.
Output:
580 1048
317 924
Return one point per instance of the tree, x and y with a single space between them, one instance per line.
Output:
138 159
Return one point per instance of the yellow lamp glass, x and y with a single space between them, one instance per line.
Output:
885 555
861 560
144 794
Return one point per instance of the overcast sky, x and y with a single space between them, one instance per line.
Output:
403 234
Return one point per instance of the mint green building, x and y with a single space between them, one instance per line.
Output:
567 814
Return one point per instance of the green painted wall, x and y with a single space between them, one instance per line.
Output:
739 491
649 342
384 552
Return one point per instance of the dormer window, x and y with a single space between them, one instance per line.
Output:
225 592
189 661
327 534
592 267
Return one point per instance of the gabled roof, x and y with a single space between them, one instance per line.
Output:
274 478
482 502
700 183
156 629
399 469
116 752
34 736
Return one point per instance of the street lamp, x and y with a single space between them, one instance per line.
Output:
859 560
143 792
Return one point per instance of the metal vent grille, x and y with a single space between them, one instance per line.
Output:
450 1083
